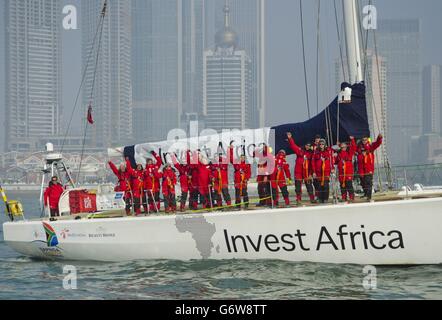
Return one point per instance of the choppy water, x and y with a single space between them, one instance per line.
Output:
23 278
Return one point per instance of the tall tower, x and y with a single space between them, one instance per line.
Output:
33 72
399 43
112 96
248 17
432 99
227 79
167 59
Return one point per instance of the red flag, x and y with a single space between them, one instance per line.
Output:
89 115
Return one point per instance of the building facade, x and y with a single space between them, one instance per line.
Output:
227 82
399 42
167 61
432 99
33 72
111 98
248 17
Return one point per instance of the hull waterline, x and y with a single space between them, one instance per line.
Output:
404 232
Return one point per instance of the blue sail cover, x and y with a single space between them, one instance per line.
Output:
353 121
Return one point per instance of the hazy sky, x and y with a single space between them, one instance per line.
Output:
285 77
284 74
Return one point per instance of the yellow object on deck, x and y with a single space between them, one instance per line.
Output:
15 208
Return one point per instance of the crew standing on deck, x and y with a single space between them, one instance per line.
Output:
136 184
366 163
303 169
168 187
280 178
123 184
243 172
323 166
344 161
220 178
184 172
52 196
265 161
151 186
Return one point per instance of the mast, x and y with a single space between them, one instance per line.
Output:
351 22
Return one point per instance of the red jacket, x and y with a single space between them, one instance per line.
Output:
323 164
344 160
136 180
204 175
53 194
243 171
366 162
266 162
123 178
220 172
303 165
184 171
169 181
281 172
151 178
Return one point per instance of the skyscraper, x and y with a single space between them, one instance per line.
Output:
167 60
248 17
33 72
432 99
227 78
399 43
111 99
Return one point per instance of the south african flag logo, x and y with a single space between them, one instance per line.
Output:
51 237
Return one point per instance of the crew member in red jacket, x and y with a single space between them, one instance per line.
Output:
220 178
242 175
184 172
323 166
123 185
204 175
168 187
265 167
344 161
366 163
52 196
136 184
303 169
151 179
194 180
280 178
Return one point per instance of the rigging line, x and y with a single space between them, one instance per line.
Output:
103 15
318 39
81 86
346 44
304 59
339 41
364 39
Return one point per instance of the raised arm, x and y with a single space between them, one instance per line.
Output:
353 146
295 148
159 161
377 143
114 168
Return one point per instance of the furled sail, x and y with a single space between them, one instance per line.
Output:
351 116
